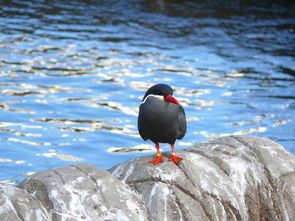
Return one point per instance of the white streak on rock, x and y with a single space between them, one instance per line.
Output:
237 172
152 194
119 169
128 172
165 195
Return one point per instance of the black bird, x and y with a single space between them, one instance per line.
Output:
161 119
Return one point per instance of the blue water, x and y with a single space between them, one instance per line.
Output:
73 74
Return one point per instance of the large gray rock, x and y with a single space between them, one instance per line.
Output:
230 178
18 205
84 192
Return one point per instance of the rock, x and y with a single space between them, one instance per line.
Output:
17 205
84 192
230 178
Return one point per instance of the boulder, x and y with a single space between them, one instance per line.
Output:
229 178
18 205
84 192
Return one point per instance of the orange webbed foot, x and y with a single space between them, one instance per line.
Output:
175 159
157 160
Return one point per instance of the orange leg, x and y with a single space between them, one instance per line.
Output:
159 158
174 158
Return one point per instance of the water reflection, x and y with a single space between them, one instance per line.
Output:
116 106
138 148
91 125
11 161
73 75
242 132
64 157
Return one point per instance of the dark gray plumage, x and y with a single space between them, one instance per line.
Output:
161 121
161 118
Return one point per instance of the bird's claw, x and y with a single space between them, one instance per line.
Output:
175 159
157 160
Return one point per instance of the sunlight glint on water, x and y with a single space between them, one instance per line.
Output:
72 77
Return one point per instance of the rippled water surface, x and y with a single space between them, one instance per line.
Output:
73 75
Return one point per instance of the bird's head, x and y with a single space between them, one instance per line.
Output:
163 90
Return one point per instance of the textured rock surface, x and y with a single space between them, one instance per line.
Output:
17 205
83 192
230 178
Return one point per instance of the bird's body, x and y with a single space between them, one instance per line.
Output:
161 119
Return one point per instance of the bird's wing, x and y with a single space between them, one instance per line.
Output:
140 126
182 123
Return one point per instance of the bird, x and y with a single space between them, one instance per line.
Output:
161 119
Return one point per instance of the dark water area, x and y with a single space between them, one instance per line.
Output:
73 74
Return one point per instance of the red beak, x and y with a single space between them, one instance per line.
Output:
171 99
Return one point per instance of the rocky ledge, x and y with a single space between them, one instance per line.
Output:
230 178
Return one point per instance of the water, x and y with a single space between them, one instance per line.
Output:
73 75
